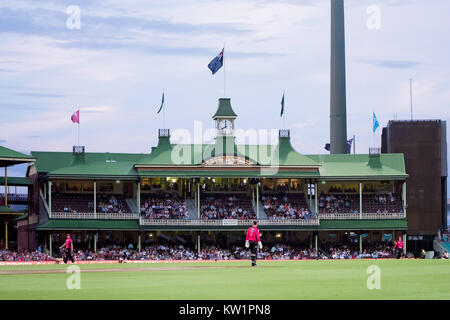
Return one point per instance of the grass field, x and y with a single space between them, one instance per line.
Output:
286 280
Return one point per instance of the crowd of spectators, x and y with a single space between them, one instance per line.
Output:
111 204
386 202
222 206
164 207
283 207
329 203
208 252
24 255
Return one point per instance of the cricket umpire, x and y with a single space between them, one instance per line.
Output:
253 241
68 246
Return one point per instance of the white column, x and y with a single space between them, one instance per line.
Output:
257 200
360 200
138 196
404 243
316 195
198 201
198 244
50 198
360 243
50 244
95 241
139 242
404 198
95 199
315 241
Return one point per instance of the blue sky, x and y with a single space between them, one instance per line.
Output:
115 67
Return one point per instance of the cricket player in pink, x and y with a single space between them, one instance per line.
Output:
399 246
68 245
253 241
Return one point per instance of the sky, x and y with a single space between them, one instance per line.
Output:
116 65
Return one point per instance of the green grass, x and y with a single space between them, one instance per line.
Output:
298 280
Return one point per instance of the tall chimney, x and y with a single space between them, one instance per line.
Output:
338 113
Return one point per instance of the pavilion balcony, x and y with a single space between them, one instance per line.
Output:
225 222
95 216
362 216
14 197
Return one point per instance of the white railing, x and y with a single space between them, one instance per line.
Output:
226 222
363 216
96 216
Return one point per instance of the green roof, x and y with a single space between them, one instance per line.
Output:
8 210
282 154
190 159
363 224
9 157
224 109
88 165
17 181
81 224
338 166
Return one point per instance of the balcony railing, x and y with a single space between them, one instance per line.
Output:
225 222
15 196
96 216
363 216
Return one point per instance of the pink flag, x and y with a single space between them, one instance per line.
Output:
76 117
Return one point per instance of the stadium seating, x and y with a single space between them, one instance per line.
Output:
350 203
84 203
285 206
226 206
163 206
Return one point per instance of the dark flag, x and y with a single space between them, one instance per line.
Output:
216 63
349 146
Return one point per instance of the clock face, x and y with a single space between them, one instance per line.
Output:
225 126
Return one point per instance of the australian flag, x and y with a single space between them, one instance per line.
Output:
216 63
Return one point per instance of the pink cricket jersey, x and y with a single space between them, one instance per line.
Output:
68 243
252 234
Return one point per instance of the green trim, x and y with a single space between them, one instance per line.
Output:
8 210
17 181
71 224
363 225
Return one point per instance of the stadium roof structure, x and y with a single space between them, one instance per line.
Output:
205 160
223 158
9 157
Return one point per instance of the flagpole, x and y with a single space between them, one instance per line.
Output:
78 126
284 113
411 97
164 113
224 77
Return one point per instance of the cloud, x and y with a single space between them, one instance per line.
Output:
2 141
392 64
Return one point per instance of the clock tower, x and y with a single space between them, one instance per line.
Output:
224 118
